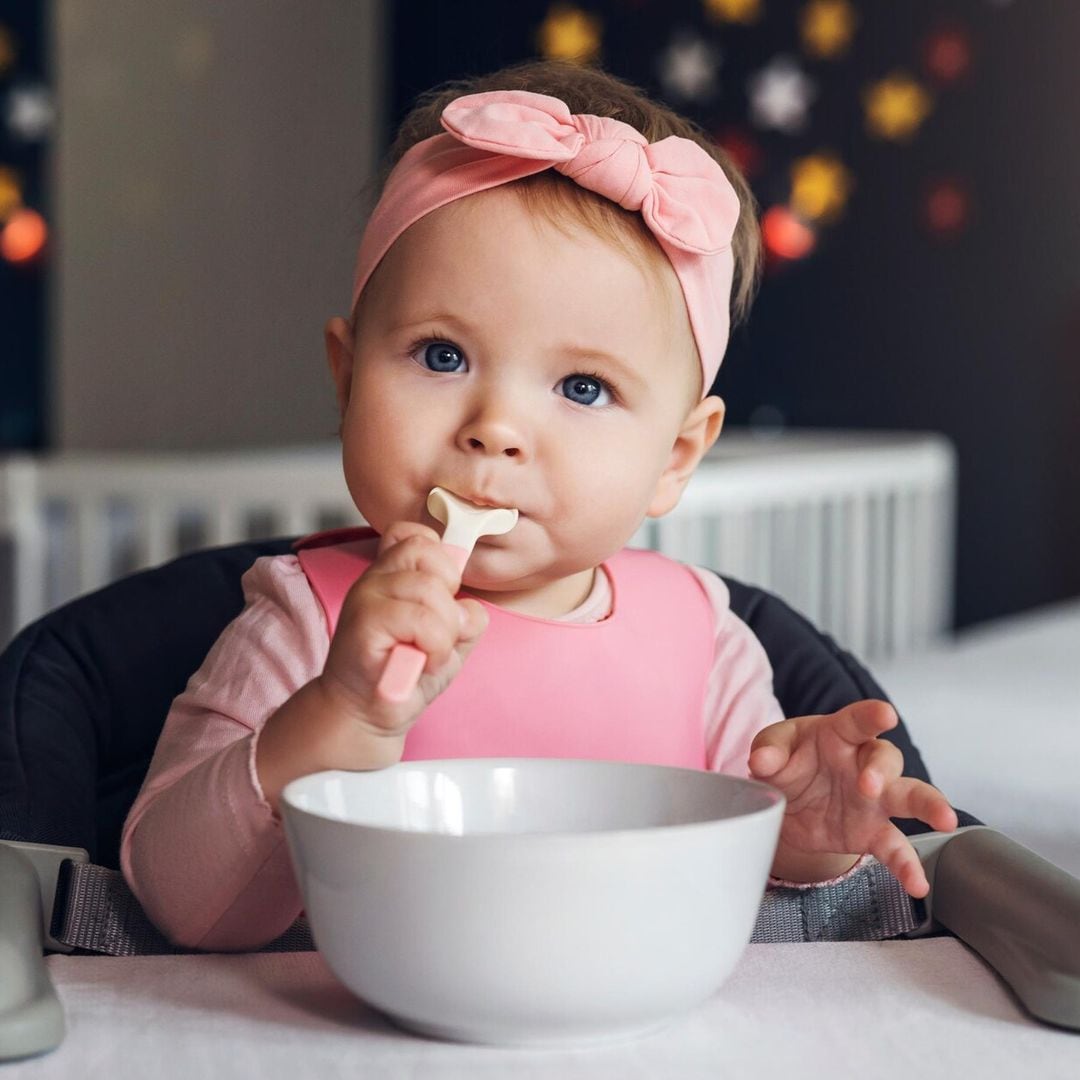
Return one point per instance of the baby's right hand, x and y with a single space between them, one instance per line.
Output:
406 595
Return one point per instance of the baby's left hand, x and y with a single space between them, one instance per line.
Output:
842 785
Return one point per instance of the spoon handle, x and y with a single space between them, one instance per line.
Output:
406 663
402 672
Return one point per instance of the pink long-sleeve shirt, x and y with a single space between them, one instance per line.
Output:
201 848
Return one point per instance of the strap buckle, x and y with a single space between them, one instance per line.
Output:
47 861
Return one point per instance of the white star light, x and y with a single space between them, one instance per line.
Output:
30 111
687 67
780 95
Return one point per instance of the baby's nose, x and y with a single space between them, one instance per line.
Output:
493 434
494 444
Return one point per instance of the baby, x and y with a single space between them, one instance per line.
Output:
541 303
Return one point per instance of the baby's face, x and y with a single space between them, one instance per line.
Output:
478 366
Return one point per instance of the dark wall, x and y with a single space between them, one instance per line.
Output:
886 325
23 292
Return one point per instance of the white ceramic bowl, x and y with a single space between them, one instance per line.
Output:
524 901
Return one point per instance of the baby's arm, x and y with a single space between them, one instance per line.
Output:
200 847
739 704
203 848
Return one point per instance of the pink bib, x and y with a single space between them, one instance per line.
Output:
628 688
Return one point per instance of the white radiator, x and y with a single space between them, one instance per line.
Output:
853 529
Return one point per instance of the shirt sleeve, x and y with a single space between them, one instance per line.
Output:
739 700
200 848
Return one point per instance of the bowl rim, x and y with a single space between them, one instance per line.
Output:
289 807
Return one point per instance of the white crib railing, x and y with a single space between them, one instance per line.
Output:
854 529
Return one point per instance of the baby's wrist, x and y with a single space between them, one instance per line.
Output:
348 721
311 733
810 866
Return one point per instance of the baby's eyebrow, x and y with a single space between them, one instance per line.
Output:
451 320
583 352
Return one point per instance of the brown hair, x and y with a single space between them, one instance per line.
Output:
591 90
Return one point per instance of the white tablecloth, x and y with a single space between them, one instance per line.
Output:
924 1008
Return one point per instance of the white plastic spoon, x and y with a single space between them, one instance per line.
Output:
465 524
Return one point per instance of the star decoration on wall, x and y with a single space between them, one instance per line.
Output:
11 195
742 148
780 95
30 112
827 27
734 11
946 208
22 239
568 33
947 54
687 68
785 237
896 107
820 186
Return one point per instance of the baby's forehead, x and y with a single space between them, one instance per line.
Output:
497 266
493 239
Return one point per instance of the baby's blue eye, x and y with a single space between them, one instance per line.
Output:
585 389
439 356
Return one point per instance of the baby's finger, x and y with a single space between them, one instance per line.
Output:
862 720
428 589
911 798
402 530
881 764
421 625
893 849
421 553
771 748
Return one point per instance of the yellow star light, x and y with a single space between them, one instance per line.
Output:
10 193
820 185
568 33
734 11
895 107
827 27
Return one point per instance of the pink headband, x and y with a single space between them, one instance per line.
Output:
682 193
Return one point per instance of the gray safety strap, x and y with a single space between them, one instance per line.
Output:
95 911
871 905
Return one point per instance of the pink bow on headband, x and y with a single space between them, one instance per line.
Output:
681 192
497 137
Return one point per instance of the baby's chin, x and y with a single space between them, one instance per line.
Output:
494 569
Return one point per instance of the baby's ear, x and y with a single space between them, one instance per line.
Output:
698 432
339 355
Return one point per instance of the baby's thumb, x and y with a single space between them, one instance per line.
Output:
772 747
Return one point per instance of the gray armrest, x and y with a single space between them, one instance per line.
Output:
31 1017
1019 911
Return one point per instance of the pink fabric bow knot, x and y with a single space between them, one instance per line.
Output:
680 191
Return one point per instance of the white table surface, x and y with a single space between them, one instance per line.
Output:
923 1008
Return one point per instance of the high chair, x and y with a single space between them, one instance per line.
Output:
84 692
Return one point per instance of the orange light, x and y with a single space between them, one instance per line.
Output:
23 236
785 236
